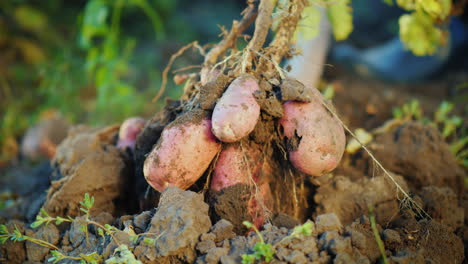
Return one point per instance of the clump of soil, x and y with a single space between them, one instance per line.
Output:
350 199
420 154
333 242
83 153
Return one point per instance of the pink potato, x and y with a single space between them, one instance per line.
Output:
182 154
129 130
237 112
245 165
317 139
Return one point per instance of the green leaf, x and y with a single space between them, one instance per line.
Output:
248 224
59 220
340 16
419 34
451 125
30 18
3 239
305 229
94 21
442 111
134 239
44 212
263 250
397 113
56 256
458 145
149 241
388 2
248 259
36 224
3 229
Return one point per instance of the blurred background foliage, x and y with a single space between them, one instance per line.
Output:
94 61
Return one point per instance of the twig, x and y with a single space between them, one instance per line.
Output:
250 13
168 67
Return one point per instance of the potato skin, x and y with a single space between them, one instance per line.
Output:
231 167
181 156
128 132
319 137
235 165
237 112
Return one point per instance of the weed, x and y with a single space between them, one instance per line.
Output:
264 251
92 258
379 241
17 236
409 111
44 218
261 250
123 255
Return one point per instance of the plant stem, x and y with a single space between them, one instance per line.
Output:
379 241
250 13
40 242
105 229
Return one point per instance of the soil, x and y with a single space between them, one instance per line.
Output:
199 226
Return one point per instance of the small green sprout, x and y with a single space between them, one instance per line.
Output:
305 229
17 236
87 203
261 250
409 111
264 251
91 258
44 218
379 241
123 255
149 241
248 259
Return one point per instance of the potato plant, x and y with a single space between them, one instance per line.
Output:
244 123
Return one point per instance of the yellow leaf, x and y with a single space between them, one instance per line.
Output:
363 136
419 34
309 25
32 53
30 18
340 16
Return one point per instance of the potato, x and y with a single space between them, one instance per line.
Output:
182 154
244 165
233 168
316 138
237 112
128 132
42 139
